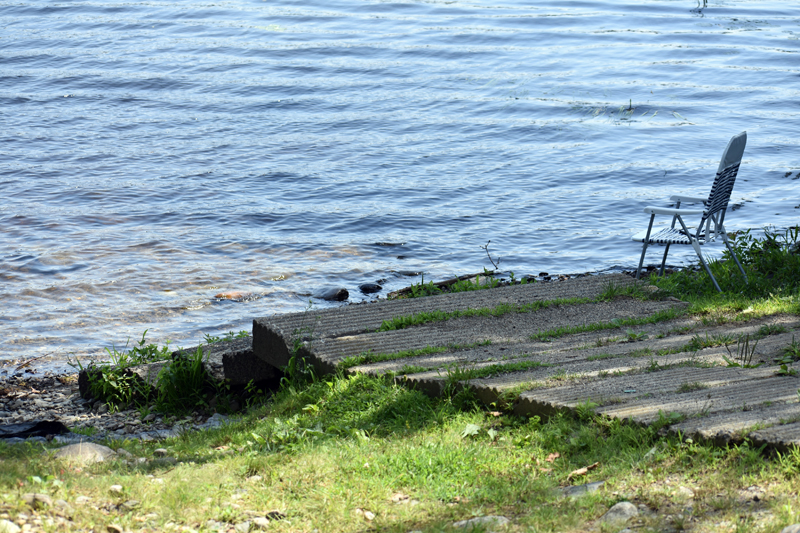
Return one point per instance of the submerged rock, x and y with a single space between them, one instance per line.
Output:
333 294
236 296
369 288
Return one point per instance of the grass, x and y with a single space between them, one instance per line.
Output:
602 356
773 271
691 387
402 322
742 356
642 352
463 373
660 316
369 357
706 341
320 455
111 380
489 281
610 292
183 385
322 452
229 336
613 290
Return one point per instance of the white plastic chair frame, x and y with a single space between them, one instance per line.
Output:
713 214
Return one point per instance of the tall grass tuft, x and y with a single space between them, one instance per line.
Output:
772 264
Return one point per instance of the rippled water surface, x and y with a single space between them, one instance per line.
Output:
155 154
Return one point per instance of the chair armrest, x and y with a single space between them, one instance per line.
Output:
690 199
650 210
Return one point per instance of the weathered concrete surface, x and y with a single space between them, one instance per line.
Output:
274 337
644 373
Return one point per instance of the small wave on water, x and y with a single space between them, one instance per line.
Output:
158 154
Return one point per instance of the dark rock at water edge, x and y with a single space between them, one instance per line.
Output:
370 288
333 294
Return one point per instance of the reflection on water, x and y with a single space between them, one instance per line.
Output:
157 154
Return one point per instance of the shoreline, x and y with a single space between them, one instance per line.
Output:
29 365
57 399
28 396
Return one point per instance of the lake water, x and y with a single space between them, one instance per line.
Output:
155 154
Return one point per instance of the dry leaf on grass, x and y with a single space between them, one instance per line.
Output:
552 457
582 471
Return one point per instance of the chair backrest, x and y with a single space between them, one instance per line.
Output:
723 183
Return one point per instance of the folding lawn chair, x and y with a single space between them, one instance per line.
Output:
713 213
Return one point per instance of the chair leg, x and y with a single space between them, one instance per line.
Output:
733 254
664 260
703 262
641 260
645 245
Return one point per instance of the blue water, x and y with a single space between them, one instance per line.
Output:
155 154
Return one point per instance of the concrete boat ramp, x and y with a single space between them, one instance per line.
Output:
579 344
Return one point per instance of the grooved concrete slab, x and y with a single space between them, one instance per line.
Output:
782 437
628 358
273 337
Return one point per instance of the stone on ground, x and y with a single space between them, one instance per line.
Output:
85 452
487 522
620 513
579 490
260 522
7 526
37 501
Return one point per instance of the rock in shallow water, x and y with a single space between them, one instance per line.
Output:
370 288
236 296
332 294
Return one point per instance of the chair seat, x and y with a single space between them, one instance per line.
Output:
666 236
